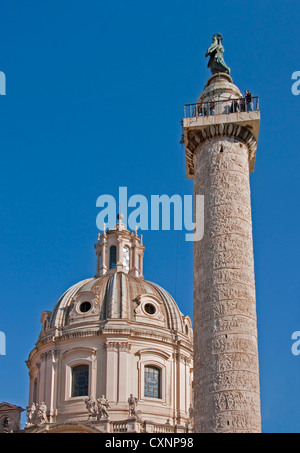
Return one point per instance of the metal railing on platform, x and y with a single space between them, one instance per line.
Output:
222 107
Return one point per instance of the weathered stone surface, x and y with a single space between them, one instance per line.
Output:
226 373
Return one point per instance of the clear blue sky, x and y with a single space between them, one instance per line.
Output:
95 95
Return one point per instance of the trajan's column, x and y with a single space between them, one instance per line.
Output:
220 136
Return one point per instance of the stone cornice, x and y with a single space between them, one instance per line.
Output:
131 332
197 137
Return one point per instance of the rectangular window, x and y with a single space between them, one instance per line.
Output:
152 382
80 380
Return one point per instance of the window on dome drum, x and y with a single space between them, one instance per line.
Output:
85 307
112 257
150 309
152 378
80 380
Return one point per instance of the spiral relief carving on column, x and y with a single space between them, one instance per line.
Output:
226 371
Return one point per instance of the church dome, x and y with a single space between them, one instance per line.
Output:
111 340
118 296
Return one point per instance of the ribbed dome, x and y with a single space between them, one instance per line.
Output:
117 296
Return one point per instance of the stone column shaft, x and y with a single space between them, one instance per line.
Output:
226 374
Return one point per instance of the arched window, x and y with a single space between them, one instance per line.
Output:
80 380
112 257
152 384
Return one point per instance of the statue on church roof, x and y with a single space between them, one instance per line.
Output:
132 403
216 61
31 413
103 405
41 415
91 407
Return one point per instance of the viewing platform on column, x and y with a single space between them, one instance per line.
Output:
221 110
